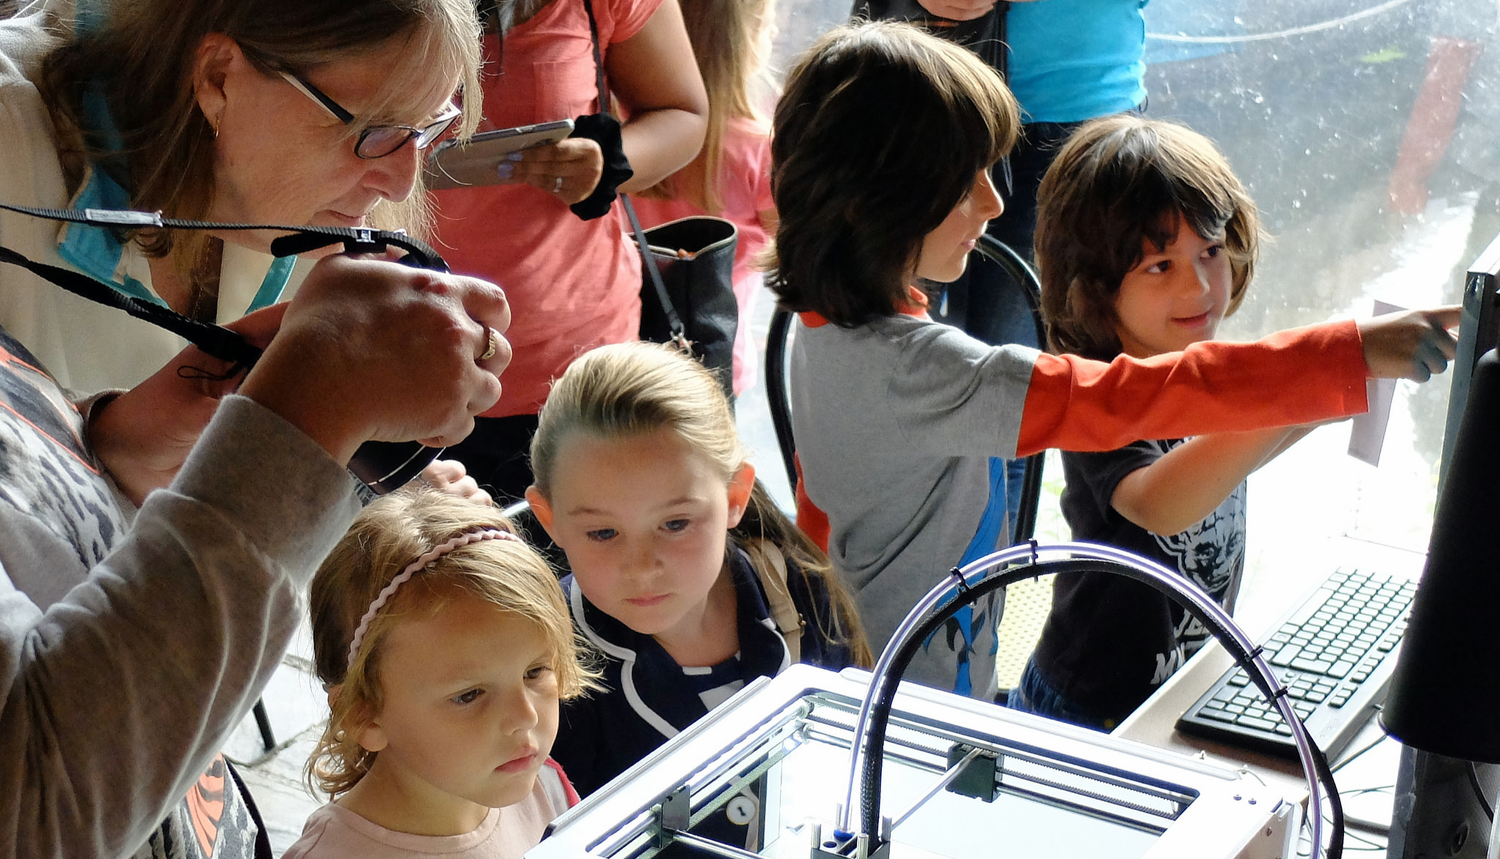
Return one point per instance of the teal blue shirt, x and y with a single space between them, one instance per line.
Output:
96 251
1072 60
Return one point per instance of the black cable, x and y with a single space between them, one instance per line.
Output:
1354 755
880 709
1484 803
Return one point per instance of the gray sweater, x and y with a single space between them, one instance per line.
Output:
128 656
896 425
898 422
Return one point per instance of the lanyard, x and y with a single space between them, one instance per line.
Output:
383 466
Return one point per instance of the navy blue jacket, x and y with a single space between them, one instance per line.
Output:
645 702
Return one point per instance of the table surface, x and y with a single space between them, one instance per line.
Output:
1366 782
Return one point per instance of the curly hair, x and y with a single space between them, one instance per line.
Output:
1118 183
877 137
383 540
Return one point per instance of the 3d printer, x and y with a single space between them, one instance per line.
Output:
962 778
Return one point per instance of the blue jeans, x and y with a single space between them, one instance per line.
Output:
1034 695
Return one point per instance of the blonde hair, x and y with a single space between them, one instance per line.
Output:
729 45
141 57
630 389
384 539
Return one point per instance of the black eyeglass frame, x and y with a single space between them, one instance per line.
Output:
424 136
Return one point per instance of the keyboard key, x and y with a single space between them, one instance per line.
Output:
1285 655
1257 724
1316 666
1341 668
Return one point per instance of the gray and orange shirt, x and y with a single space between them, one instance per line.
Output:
897 422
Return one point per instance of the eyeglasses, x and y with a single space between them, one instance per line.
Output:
378 141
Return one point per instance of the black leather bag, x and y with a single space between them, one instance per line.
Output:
687 289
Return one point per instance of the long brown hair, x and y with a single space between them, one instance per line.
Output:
630 389
386 537
728 38
879 135
141 60
1118 183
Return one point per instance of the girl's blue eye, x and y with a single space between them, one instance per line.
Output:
468 697
1213 251
537 672
602 534
675 525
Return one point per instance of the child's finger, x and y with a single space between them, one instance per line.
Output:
1444 318
1435 355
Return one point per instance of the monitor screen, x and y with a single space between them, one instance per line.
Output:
1445 691
1477 334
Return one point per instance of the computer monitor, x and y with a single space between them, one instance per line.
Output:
1445 692
1478 333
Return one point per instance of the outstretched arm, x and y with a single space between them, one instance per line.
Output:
1290 377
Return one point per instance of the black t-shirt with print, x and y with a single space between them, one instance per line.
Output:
1110 641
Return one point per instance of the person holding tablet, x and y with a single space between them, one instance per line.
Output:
573 283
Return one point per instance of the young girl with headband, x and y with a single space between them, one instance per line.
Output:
445 646
685 575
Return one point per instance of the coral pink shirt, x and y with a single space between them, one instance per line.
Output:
572 284
745 189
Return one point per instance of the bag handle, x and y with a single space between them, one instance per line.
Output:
772 573
674 322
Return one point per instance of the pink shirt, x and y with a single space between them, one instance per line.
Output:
572 284
335 832
745 188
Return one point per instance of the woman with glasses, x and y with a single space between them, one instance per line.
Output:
238 111
547 233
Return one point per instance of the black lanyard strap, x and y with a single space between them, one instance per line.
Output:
382 466
215 340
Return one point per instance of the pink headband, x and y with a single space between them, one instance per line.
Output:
419 563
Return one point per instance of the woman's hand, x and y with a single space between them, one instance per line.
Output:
449 477
144 435
1412 345
370 350
569 169
958 10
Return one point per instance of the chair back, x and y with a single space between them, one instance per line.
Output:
778 394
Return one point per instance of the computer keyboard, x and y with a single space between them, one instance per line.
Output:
1334 653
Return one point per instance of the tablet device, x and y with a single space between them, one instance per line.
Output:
452 164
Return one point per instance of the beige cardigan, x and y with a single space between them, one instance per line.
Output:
86 346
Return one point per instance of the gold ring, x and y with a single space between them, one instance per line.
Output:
492 345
